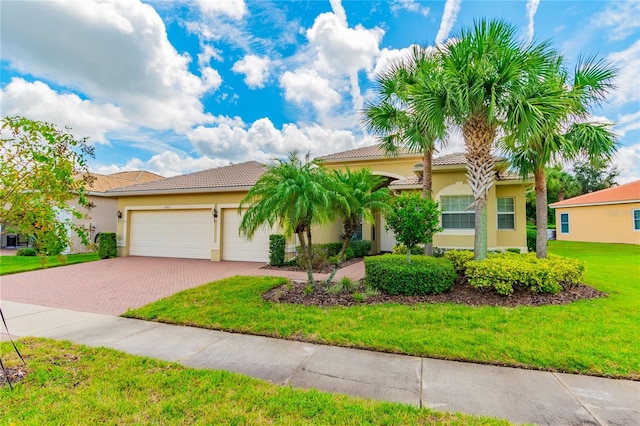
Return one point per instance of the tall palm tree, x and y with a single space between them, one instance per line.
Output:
483 71
393 116
563 134
295 194
364 192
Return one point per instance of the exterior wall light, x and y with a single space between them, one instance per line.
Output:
214 212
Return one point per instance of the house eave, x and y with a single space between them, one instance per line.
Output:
607 203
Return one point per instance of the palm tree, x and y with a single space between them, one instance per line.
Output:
393 115
483 71
295 194
562 135
363 192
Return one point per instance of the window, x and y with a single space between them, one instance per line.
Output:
636 219
506 213
564 223
455 212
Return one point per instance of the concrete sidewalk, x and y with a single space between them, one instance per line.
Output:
521 396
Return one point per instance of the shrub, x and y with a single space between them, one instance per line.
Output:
392 274
513 250
459 258
439 252
360 248
349 254
277 244
508 272
107 245
531 238
402 249
27 251
319 257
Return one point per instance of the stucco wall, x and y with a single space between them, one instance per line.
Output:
101 218
611 223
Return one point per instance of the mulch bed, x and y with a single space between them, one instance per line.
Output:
14 375
324 270
462 293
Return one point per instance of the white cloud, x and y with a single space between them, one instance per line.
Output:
627 159
166 164
627 123
532 8
306 86
208 52
77 44
410 6
263 141
622 18
387 58
338 10
234 9
341 49
628 62
255 69
38 101
451 9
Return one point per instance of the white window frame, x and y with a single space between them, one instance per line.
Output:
568 227
455 212
633 219
511 213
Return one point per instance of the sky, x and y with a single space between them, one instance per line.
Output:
174 87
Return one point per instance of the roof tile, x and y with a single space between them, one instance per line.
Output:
623 193
235 175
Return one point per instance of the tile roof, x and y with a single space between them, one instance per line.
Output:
102 183
629 192
372 151
233 176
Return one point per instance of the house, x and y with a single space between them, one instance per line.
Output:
101 217
196 215
610 215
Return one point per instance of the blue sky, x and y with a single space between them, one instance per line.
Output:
175 87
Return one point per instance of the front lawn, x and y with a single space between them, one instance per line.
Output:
597 336
73 384
15 264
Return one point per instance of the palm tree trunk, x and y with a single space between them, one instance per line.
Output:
306 253
541 212
348 234
478 139
427 190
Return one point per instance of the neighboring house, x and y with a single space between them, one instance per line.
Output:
101 218
196 215
610 215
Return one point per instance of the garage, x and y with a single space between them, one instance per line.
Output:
235 247
175 233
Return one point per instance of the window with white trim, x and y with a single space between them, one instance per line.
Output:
564 223
636 219
506 213
456 212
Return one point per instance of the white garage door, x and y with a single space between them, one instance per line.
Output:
235 247
175 233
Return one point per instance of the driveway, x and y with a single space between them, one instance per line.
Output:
112 286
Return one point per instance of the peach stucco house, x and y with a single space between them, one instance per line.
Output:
611 215
195 215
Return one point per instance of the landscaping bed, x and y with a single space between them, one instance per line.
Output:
324 269
296 292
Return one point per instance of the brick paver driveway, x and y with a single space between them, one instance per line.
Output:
112 286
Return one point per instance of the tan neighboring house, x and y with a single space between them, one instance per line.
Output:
101 218
196 215
611 215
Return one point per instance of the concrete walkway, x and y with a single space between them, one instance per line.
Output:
521 396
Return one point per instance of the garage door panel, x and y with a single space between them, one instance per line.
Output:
239 248
175 233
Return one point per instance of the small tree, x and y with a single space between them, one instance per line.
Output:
42 169
413 220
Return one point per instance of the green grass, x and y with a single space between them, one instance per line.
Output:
72 385
597 337
15 264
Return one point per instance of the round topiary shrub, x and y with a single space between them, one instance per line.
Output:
424 275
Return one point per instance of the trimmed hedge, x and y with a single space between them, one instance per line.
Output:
360 248
507 272
107 246
531 238
402 249
277 245
392 274
459 258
